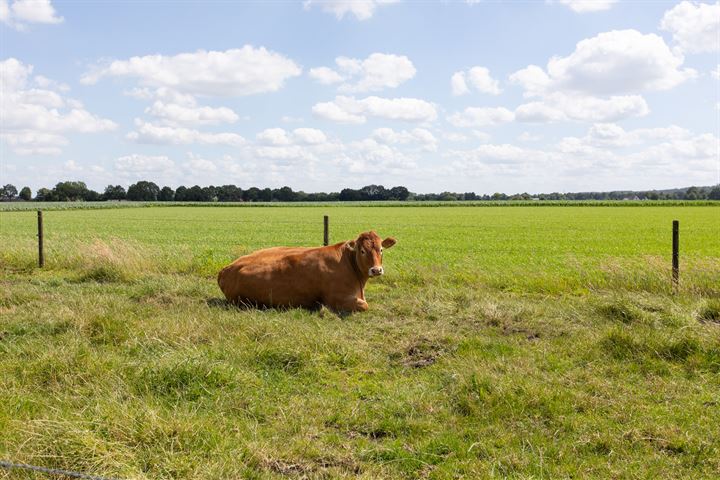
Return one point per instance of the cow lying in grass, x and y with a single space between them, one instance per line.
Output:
334 276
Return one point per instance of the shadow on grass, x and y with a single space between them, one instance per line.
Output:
320 309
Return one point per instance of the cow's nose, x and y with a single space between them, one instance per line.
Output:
374 271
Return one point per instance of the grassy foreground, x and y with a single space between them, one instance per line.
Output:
524 342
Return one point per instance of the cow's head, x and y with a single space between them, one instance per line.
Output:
368 251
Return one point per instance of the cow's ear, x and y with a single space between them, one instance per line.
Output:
350 245
388 242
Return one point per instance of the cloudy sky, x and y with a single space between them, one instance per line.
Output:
477 95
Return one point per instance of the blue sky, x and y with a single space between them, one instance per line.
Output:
485 96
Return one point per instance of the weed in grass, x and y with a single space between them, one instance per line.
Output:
272 361
113 261
621 310
421 352
187 379
710 312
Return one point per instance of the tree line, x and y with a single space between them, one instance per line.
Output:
150 192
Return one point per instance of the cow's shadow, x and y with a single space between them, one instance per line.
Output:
224 304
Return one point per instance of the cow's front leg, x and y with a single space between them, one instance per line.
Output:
348 304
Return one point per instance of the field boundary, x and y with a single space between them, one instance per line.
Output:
29 206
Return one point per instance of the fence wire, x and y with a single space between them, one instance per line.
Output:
51 471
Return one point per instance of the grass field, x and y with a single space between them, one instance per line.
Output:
525 342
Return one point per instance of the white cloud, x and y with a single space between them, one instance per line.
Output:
22 12
613 136
585 6
529 137
481 117
477 77
376 72
693 155
715 73
44 82
616 62
174 114
34 143
362 9
309 136
694 26
4 11
455 137
560 107
482 136
198 165
458 84
368 156
72 166
143 164
284 148
351 110
273 136
495 157
244 71
169 135
35 120
417 137
595 83
325 75
285 153
332 111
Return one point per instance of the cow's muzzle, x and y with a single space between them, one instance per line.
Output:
376 271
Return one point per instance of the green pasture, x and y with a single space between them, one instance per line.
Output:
524 342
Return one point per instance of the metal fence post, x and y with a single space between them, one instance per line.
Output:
41 254
326 234
676 255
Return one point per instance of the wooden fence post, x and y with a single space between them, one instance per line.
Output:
676 256
326 234
41 254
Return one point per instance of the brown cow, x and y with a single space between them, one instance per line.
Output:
333 276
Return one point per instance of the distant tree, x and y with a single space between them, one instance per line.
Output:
694 193
265 195
26 194
166 194
181 194
229 193
195 194
92 196
448 196
373 192
143 191
349 195
285 194
116 192
251 194
44 195
8 192
714 193
398 193
70 191
209 194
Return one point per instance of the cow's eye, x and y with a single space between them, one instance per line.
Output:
362 250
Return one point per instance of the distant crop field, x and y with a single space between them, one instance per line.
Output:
525 342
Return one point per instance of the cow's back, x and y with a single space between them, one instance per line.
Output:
279 276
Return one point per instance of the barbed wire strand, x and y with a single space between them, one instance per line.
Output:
51 471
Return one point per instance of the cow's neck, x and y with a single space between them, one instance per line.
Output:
362 279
